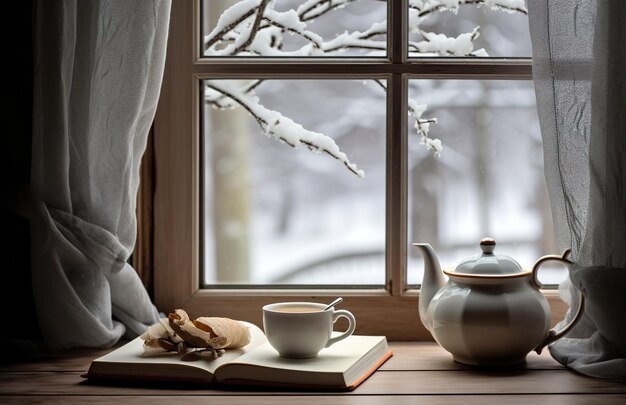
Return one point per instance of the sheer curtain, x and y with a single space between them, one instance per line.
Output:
98 66
579 62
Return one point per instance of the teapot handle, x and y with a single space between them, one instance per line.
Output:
553 334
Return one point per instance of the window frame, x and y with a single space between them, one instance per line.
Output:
392 310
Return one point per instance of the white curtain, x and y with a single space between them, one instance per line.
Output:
98 66
579 68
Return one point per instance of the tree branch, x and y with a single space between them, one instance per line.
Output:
380 83
216 101
320 10
210 41
303 34
284 129
357 46
255 27
440 7
228 94
235 33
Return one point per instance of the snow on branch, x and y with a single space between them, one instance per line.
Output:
255 27
222 102
422 125
229 20
442 45
275 124
312 9
261 39
425 7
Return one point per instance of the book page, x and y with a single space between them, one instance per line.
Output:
133 353
336 359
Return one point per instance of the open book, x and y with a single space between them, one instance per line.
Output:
344 365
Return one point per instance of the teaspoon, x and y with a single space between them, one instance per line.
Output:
332 304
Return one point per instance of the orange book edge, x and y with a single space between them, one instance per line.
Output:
369 372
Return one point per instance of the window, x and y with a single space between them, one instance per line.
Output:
285 216
189 156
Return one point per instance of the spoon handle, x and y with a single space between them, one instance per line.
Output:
332 304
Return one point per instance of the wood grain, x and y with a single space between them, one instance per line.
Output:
176 183
323 399
449 382
77 360
419 372
425 356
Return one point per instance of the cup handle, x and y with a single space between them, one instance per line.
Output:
345 314
553 334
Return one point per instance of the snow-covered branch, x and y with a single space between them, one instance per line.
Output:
275 124
422 125
229 21
425 7
442 45
255 27
312 9
222 102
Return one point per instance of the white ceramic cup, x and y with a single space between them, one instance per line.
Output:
301 335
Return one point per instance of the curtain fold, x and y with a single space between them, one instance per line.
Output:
98 66
579 56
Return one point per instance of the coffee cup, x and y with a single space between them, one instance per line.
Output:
299 330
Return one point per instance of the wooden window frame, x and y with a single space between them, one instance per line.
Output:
391 310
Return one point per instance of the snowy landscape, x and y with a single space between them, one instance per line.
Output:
285 216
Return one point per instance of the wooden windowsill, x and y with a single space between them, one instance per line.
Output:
419 372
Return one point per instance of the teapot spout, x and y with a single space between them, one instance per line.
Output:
433 281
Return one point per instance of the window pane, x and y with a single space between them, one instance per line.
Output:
488 180
280 215
295 28
457 28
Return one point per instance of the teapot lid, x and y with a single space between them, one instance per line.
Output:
489 263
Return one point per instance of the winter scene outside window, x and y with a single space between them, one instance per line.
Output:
294 174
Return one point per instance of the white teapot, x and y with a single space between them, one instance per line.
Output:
490 312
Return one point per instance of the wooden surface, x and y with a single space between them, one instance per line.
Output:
417 373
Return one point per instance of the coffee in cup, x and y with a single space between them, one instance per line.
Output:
301 329
298 308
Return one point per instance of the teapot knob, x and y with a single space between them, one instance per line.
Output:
487 245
